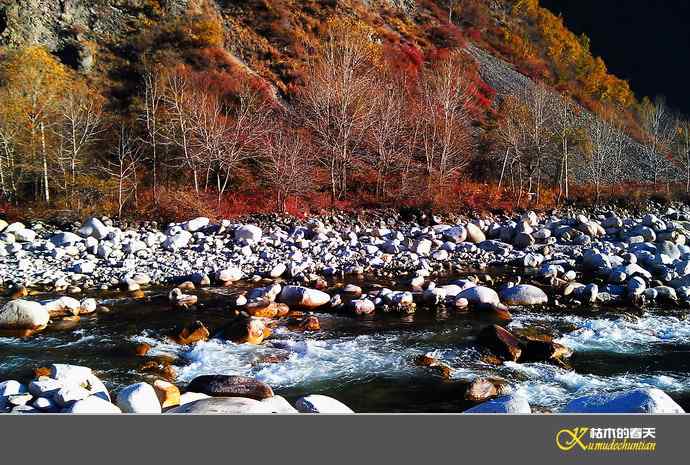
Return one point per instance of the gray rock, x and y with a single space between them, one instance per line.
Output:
223 406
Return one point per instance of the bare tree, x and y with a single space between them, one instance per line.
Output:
335 102
389 136
9 169
180 103
78 128
538 132
245 126
509 135
445 138
122 167
681 150
152 120
604 148
659 127
286 164
565 127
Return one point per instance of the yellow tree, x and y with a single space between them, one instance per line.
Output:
34 82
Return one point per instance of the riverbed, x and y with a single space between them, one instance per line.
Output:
368 362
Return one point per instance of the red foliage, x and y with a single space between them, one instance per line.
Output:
404 59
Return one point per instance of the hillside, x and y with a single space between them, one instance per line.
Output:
507 47
109 40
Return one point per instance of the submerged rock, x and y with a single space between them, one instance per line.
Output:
501 341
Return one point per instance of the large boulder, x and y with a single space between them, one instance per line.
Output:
475 234
524 295
230 386
222 406
317 403
93 227
23 315
646 400
511 404
480 295
248 232
138 398
74 375
303 297
278 404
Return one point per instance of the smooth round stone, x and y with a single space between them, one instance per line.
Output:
317 403
524 295
646 400
223 406
92 405
138 398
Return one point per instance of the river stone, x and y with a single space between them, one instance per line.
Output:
501 341
524 294
7 389
62 239
189 397
362 306
45 387
456 234
92 405
316 403
511 404
196 224
73 375
222 406
168 394
645 400
69 394
480 390
230 386
278 404
475 234
93 227
229 275
248 232
480 295
23 314
138 398
303 297
246 330
24 235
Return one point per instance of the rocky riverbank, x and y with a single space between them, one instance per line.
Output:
567 260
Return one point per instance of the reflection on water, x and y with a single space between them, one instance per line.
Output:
368 362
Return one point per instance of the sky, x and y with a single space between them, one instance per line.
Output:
646 42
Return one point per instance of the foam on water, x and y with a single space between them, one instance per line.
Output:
307 359
552 387
617 335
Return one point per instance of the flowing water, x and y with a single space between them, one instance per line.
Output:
368 362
